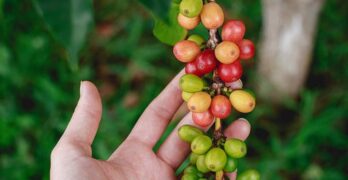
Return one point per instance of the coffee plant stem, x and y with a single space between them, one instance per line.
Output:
219 175
217 124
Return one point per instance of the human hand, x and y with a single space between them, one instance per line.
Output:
134 158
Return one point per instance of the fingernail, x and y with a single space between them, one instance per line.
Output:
243 119
82 88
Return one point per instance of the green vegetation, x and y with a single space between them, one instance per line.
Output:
39 86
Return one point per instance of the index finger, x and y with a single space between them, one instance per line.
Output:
158 114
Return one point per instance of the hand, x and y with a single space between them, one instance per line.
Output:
134 158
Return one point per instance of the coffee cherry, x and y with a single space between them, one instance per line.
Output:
201 164
191 68
203 119
220 107
247 49
199 40
193 158
227 52
201 144
199 102
235 84
250 174
186 51
188 23
191 83
206 61
186 95
190 170
242 101
233 30
230 72
231 165
215 159
188 133
212 15
189 177
191 8
235 148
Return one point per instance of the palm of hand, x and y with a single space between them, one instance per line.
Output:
131 161
135 158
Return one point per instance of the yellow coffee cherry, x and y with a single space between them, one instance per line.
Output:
212 15
227 52
199 102
188 23
186 95
242 101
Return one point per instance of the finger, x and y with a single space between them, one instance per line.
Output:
85 120
232 176
239 129
158 114
173 151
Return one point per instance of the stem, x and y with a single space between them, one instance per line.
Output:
217 124
219 175
213 39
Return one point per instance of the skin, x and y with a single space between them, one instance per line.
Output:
72 157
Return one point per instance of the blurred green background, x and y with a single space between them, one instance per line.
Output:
305 138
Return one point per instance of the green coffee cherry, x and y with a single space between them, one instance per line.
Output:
191 83
201 164
190 170
193 158
215 159
201 144
186 95
199 40
188 133
200 175
191 8
189 177
250 174
235 148
231 164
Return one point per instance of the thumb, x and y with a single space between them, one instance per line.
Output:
85 121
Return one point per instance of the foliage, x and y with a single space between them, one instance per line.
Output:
69 23
300 139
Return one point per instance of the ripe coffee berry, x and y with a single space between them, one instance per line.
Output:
247 49
233 30
186 51
203 119
206 61
230 72
220 107
191 68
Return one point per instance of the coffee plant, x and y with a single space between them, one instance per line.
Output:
212 88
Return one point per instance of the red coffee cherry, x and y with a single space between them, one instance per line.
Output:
230 72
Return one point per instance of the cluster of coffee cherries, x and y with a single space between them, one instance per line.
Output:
212 87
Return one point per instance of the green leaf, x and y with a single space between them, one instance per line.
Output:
158 7
169 32
69 22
